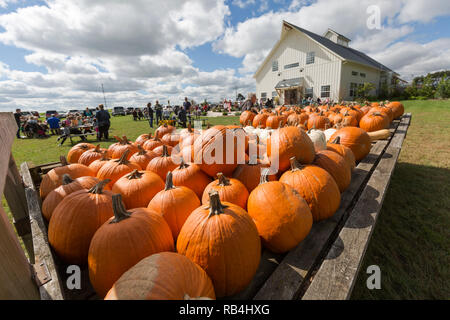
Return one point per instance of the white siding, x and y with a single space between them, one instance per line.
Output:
325 70
372 76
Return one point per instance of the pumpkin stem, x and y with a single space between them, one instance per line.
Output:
183 164
142 151
119 210
337 140
123 159
295 165
264 175
156 138
98 188
135 174
223 181
169 181
104 156
63 160
165 151
125 140
118 139
215 206
66 179
97 149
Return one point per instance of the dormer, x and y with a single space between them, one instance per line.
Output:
337 37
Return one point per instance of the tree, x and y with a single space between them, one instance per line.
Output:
443 89
364 90
427 89
240 97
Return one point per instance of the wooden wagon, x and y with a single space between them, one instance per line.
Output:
323 266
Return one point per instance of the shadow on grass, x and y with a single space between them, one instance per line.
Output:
411 242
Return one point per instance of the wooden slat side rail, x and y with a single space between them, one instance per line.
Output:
16 278
336 276
291 277
51 290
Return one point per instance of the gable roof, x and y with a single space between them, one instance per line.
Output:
345 53
336 33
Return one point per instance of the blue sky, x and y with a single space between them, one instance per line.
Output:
56 53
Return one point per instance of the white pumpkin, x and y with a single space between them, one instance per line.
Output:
249 129
318 138
328 133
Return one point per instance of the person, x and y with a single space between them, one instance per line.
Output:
250 104
166 113
182 116
53 122
103 117
65 133
158 109
268 104
135 114
186 105
87 113
17 117
318 100
140 114
150 114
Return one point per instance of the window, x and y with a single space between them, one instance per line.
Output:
274 94
310 57
354 73
353 89
325 91
309 92
275 65
292 65
264 96
363 75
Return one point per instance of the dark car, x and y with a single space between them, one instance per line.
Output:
118 111
129 110
49 113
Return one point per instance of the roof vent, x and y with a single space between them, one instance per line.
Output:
337 37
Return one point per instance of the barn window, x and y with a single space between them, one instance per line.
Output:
325 91
309 92
264 96
275 65
274 94
363 75
310 57
353 89
354 73
292 65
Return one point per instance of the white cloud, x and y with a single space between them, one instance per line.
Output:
242 3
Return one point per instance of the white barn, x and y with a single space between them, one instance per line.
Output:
303 64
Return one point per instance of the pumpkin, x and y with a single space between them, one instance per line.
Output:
335 118
97 164
356 139
162 164
316 186
171 139
143 157
123 241
76 219
175 204
190 175
335 165
397 109
53 179
380 134
142 139
188 137
281 215
289 142
230 190
260 120
165 129
318 121
222 239
212 151
153 143
121 147
318 138
329 132
159 151
349 120
273 121
117 168
384 110
374 121
250 174
296 119
246 117
68 186
162 276
91 155
77 150
343 151
138 188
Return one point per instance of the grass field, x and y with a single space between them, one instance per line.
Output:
411 242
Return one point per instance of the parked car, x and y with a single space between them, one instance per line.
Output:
61 114
129 110
118 111
26 114
49 113
74 111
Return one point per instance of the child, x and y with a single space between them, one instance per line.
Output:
65 133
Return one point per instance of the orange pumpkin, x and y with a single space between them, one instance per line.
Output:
123 241
53 179
222 239
77 150
175 204
163 276
97 164
230 190
190 175
162 164
356 139
259 121
335 165
343 151
397 109
138 188
374 121
117 168
122 146
153 143
142 139
316 186
143 157
282 216
250 174
246 117
318 121
75 221
165 129
91 155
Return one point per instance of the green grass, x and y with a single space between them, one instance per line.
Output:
411 242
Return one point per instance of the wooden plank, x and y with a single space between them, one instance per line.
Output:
14 193
400 135
337 274
292 276
51 290
16 278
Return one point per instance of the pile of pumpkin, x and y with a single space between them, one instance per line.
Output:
199 234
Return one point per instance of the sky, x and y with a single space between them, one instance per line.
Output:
56 54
